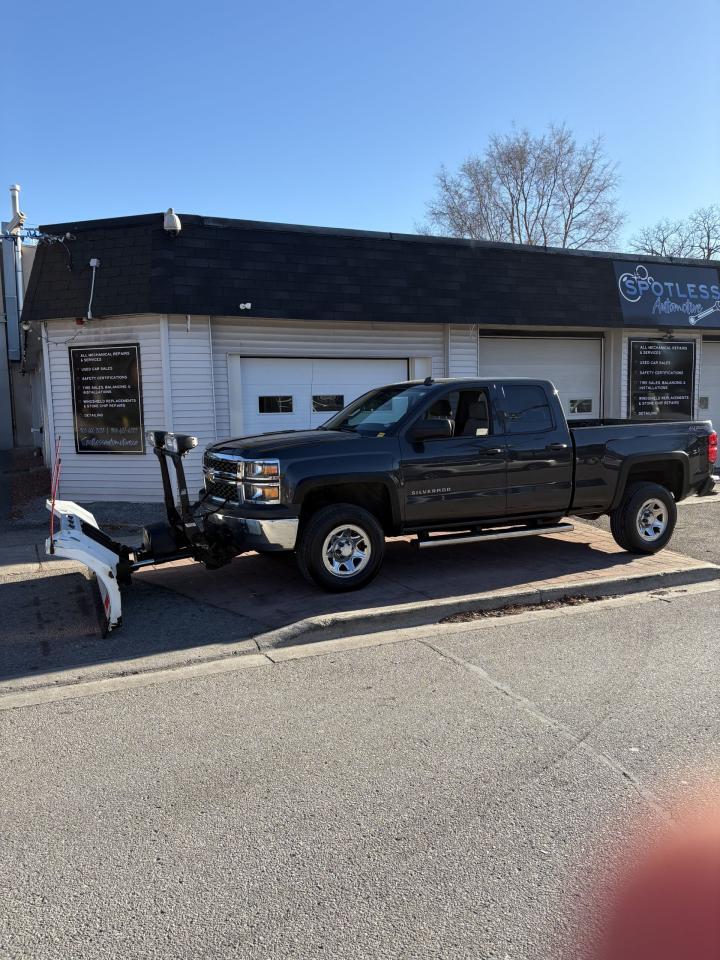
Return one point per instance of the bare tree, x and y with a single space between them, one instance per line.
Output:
698 236
542 190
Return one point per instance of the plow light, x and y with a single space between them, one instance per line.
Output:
179 442
156 438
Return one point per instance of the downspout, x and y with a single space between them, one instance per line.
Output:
15 206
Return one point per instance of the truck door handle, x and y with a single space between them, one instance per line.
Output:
558 446
494 451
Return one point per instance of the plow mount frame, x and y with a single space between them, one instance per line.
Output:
76 535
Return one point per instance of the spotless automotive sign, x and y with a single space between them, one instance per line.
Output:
668 296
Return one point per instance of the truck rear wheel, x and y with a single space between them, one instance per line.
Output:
341 547
645 520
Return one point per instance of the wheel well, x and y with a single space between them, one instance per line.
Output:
668 474
373 497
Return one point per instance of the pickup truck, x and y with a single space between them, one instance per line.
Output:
446 461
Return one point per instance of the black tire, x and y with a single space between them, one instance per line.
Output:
625 521
364 531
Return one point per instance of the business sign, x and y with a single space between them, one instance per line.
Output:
107 399
668 296
661 379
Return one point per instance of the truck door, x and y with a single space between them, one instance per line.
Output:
539 450
461 477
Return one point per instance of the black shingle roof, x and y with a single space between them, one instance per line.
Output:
312 273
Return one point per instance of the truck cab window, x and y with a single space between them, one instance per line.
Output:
526 409
467 410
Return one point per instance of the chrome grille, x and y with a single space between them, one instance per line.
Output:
220 464
222 489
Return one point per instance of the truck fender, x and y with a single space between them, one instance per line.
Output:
311 484
650 459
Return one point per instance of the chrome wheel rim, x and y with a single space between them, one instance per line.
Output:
652 520
346 550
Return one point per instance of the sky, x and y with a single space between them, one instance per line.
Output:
340 113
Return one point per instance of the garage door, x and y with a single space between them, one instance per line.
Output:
709 406
574 366
279 393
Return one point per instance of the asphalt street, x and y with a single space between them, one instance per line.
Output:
450 795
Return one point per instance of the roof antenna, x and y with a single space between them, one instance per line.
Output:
427 381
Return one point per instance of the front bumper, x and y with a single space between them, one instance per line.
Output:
268 534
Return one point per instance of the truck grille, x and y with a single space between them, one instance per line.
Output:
220 477
222 489
219 464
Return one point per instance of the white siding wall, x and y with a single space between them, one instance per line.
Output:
645 334
96 476
191 388
462 346
303 339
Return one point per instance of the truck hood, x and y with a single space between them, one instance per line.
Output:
276 445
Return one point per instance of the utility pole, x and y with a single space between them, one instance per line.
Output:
10 336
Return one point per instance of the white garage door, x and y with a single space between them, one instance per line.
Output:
278 393
574 366
709 406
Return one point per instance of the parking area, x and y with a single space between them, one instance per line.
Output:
181 611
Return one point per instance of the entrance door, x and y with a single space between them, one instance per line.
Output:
299 393
709 408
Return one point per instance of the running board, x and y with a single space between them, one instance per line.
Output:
448 539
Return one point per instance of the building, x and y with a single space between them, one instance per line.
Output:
230 327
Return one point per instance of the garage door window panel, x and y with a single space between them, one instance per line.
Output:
328 402
275 404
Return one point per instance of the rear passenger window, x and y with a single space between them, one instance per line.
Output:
527 409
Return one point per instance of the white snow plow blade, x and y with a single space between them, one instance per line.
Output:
75 539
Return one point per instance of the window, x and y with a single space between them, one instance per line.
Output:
526 409
581 406
467 410
378 411
328 402
281 404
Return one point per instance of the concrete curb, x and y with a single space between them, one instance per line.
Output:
375 619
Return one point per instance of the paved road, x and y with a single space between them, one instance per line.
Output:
443 797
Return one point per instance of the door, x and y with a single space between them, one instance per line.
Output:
299 393
539 451
709 403
462 477
574 365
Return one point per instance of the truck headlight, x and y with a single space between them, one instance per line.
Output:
262 469
262 492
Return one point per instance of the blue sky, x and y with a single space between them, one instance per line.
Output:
340 113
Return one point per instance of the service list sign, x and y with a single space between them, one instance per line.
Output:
662 379
107 399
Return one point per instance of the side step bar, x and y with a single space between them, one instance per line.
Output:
448 539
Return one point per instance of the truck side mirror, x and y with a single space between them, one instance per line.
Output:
436 429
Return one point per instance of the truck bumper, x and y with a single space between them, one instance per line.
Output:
266 534
707 488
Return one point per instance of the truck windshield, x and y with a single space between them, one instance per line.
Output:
376 412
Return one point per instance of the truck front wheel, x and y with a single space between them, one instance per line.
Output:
645 519
341 547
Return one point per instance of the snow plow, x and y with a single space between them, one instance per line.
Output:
75 534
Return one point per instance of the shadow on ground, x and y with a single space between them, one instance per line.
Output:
52 622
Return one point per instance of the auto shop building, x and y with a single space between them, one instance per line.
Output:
228 327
